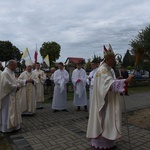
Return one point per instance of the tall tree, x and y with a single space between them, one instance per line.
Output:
88 64
97 58
9 51
142 41
52 49
128 59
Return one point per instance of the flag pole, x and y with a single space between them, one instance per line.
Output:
36 53
36 46
29 54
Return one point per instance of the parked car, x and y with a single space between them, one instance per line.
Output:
145 74
130 72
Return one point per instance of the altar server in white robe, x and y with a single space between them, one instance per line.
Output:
28 81
10 116
104 124
40 85
79 78
61 78
90 80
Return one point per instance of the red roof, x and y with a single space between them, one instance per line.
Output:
75 60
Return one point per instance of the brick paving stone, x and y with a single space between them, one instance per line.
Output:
67 131
80 147
56 147
86 145
39 147
72 148
26 147
52 143
47 144
144 147
20 142
31 142
63 145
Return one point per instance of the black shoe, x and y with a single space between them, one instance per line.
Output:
27 114
65 110
17 129
78 108
55 110
85 108
114 147
13 131
39 107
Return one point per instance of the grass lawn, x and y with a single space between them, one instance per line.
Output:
69 97
138 89
131 90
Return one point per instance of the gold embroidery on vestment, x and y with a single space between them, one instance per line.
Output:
104 71
98 74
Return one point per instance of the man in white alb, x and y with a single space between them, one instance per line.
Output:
61 78
90 80
28 81
79 79
104 124
10 116
40 85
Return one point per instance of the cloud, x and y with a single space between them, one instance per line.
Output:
80 27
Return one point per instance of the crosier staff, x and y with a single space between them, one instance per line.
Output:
118 58
138 56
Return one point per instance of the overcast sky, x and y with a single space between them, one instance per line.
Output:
81 27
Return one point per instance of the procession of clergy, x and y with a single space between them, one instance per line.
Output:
23 95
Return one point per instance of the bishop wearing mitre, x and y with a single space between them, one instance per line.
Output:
28 81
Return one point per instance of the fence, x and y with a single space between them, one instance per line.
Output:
140 82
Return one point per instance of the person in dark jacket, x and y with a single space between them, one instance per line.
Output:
124 75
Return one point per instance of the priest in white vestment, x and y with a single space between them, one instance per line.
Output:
10 116
90 80
40 85
28 81
104 124
79 78
61 78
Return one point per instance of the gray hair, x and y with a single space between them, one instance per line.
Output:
10 62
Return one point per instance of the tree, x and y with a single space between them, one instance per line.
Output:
88 64
128 59
97 58
52 49
142 41
8 51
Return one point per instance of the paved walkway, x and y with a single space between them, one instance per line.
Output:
66 130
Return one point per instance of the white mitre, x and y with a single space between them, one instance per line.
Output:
29 62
